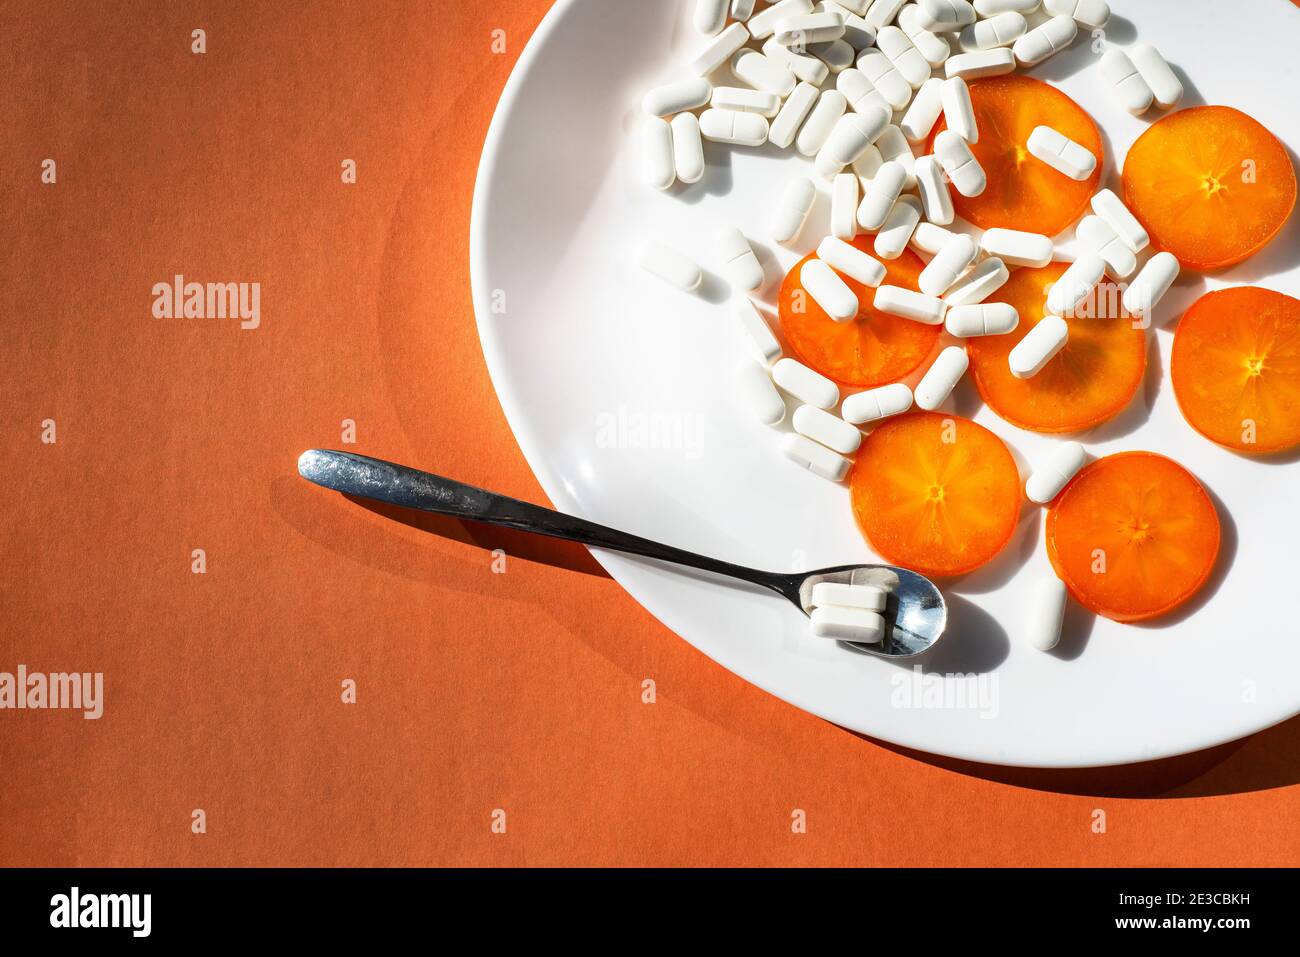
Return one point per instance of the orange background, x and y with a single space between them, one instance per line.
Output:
476 691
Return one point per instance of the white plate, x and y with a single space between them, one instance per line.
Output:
616 387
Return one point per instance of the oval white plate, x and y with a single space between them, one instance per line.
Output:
616 387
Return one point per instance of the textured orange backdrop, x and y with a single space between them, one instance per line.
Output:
476 691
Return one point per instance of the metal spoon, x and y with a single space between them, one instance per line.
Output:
915 617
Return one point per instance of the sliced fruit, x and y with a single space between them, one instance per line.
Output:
1236 368
1089 381
872 349
1024 192
1210 184
935 493
1134 535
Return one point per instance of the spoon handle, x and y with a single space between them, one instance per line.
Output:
362 476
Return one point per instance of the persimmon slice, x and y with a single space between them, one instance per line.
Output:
872 349
1024 192
935 493
1210 184
1236 368
1134 535
1087 382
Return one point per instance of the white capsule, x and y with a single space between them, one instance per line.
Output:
757 394
1037 348
1046 614
997 31
1045 40
883 12
1151 66
745 101
893 236
768 76
828 290
902 52
757 332
711 15
851 261
881 195
981 319
889 83
792 210
797 106
936 201
876 404
941 378
910 304
852 135
892 146
930 238
808 28
945 16
671 266
1150 285
924 111
809 387
677 97
1126 226
719 50
742 267
742 9
1062 153
1125 82
844 206
762 24
853 7
734 126
1095 234
657 158
868 165
858 33
860 93
933 47
948 265
1092 14
837 55
813 456
960 164
1075 284
958 111
830 107
980 63
688 148
848 624
991 8
1017 247
1055 472
806 67
827 428
978 284
838 595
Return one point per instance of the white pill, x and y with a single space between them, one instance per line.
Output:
883 12
853 134
1017 247
844 206
733 126
848 624
1151 66
806 67
742 9
1045 40
838 595
808 28
858 33
889 83
876 404
815 457
657 158
851 261
881 195
958 111
837 55
893 236
1075 284
991 8
1126 226
745 101
809 387
797 106
719 50
1055 472
830 107
677 97
762 24
930 238
1046 614
1062 153
978 284
756 70
960 164
936 201
742 267
868 165
757 394
980 63
855 7
981 319
941 378
1150 285
933 47
828 290
1125 82
671 266
902 52
892 146
945 16
948 264
757 332
1037 348
1095 234
688 148
792 210
997 31
910 304
861 93
827 428
1092 14
921 116
711 15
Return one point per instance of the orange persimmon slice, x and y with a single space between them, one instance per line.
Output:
1236 368
1089 381
1210 184
1024 192
1133 535
935 493
872 349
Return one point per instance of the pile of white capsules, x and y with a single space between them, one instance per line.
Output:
860 129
